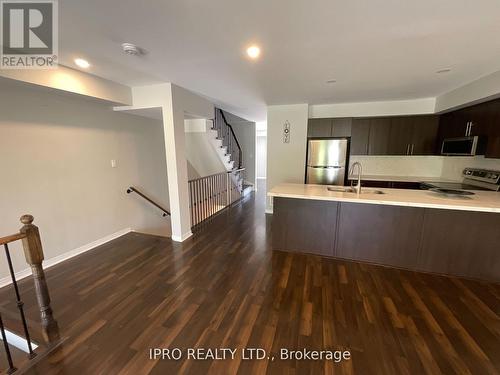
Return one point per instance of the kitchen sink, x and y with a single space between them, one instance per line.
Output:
341 189
349 189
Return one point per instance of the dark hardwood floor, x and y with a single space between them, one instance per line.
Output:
226 288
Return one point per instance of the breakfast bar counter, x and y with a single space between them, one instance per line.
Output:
485 201
413 229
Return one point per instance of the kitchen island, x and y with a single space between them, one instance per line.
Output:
412 229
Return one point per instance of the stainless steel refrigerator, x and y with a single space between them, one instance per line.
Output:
327 161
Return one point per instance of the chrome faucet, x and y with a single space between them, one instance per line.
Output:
360 171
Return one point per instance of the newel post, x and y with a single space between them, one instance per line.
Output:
33 253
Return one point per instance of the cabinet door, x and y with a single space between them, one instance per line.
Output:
341 127
360 131
480 117
319 127
450 243
382 234
424 135
400 136
493 130
461 120
304 225
447 129
378 141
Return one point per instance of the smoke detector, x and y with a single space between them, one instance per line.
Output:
132 49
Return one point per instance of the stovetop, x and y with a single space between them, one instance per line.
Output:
453 185
474 179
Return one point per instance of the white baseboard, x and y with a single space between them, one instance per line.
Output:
182 238
269 211
65 256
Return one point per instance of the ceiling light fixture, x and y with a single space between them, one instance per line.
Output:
82 63
445 70
253 52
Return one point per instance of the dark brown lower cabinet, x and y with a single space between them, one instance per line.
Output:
304 225
461 243
452 242
379 234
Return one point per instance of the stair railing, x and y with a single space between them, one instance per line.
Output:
225 132
33 252
210 194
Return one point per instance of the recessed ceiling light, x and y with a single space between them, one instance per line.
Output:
331 81
445 70
253 52
82 63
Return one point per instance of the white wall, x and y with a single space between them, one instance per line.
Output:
72 81
261 156
286 161
201 156
245 132
480 90
374 109
55 157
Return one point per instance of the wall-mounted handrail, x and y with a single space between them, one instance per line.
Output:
131 189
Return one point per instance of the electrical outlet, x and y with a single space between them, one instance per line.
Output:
113 163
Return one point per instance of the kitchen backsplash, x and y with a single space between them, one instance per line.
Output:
446 167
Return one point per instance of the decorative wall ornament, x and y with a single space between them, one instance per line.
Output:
286 132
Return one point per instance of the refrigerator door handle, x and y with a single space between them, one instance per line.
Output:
325 167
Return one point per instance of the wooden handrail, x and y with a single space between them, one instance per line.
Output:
12 238
236 170
134 190
33 253
240 152
216 174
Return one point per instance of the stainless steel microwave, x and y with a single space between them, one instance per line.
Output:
463 146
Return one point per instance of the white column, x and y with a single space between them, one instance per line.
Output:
174 102
175 144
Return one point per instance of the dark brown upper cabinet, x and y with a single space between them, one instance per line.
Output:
424 135
341 127
319 127
400 137
326 127
360 132
378 141
482 120
413 135
493 145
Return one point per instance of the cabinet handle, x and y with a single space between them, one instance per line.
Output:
408 149
467 130
412 148
470 128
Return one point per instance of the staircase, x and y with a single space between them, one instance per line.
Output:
210 194
229 150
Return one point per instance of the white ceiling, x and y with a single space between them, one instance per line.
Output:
376 49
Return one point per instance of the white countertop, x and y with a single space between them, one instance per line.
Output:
375 177
485 201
